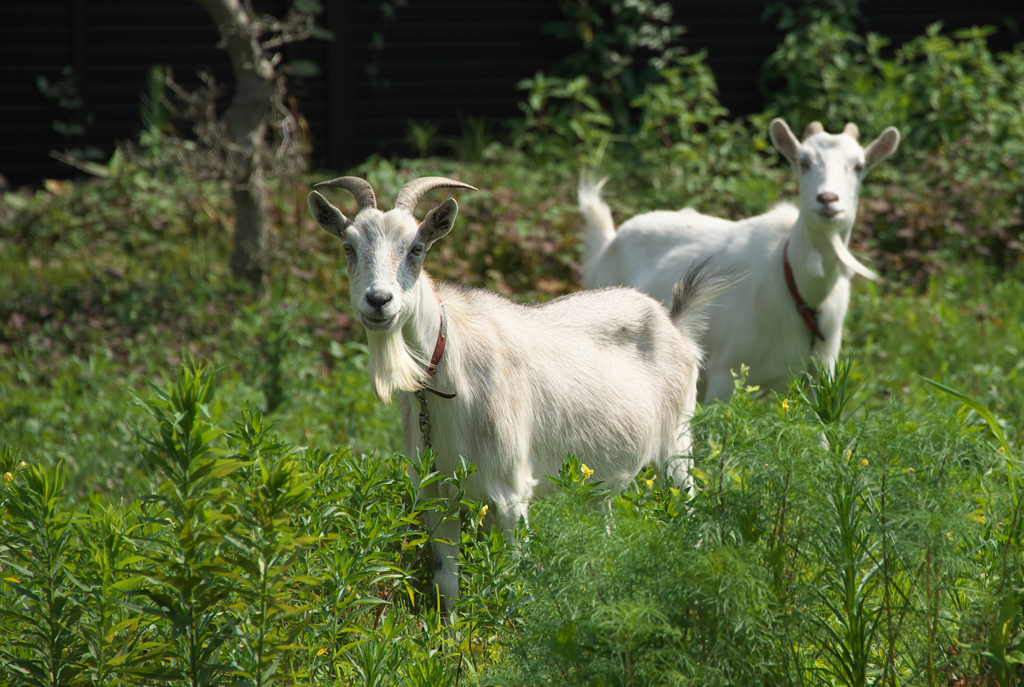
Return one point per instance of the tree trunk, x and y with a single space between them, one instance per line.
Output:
246 120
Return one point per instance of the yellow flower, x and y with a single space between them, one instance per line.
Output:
585 471
1001 450
322 651
785 405
864 462
21 465
8 477
483 511
847 454
649 483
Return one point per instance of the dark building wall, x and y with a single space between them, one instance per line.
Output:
738 41
35 39
111 44
441 59
902 20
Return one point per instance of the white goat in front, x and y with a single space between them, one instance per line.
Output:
793 300
607 375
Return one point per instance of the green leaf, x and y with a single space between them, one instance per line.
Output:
977 407
301 68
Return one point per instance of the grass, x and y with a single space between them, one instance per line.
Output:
245 519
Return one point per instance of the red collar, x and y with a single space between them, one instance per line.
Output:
435 359
442 338
809 314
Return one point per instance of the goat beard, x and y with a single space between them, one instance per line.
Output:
846 257
392 365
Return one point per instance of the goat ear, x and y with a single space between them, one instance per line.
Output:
438 221
783 139
327 216
882 147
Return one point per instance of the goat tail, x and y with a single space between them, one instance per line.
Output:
692 297
597 217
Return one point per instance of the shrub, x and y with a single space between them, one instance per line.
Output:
622 46
858 563
252 562
955 187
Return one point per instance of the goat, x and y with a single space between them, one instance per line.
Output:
608 376
791 304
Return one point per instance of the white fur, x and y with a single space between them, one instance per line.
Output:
393 367
603 375
756 323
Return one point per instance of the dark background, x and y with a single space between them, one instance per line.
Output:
441 59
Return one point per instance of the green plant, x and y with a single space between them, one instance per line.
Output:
850 590
117 643
368 533
574 479
43 648
106 283
186 580
1004 648
476 136
269 340
937 87
624 44
793 13
707 159
681 107
955 104
492 588
262 548
825 71
422 136
561 115
65 92
828 391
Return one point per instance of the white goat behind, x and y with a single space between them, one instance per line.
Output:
758 322
608 376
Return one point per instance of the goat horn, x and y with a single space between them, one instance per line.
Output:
415 189
813 128
852 131
360 188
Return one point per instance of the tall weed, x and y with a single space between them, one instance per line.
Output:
42 605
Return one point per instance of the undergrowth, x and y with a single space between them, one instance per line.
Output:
246 520
888 554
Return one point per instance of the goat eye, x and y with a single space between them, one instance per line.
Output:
805 165
417 250
349 250
859 167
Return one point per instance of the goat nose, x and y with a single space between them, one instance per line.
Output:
378 299
826 197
